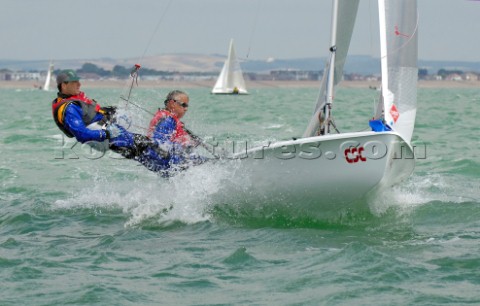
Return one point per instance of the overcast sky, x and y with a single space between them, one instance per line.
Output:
282 29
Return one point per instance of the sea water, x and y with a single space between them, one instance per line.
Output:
82 228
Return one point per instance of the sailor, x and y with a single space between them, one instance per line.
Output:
84 119
168 131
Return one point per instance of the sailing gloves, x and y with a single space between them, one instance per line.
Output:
112 130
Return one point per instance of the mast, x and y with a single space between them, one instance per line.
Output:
344 13
331 70
231 69
386 95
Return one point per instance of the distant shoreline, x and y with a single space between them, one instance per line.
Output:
250 84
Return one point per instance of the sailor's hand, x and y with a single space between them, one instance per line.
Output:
109 109
109 112
112 131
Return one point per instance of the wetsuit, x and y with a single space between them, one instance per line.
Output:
168 132
83 118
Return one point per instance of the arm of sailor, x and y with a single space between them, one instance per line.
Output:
163 133
74 123
164 130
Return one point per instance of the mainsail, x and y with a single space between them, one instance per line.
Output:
398 46
344 15
230 80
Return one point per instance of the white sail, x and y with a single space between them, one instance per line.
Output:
230 80
343 19
46 85
398 40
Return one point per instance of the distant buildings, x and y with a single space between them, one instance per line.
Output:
273 75
8 75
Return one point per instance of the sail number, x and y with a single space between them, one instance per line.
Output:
354 155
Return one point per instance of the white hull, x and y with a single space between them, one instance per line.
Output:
229 91
314 171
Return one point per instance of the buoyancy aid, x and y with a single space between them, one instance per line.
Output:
178 136
90 108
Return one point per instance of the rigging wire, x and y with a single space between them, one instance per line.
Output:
372 52
134 72
195 137
253 29
134 76
155 31
370 28
138 106
136 67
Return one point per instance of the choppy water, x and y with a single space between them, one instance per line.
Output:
107 232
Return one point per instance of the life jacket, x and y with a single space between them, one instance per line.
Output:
90 108
179 135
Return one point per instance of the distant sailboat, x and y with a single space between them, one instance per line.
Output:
230 80
46 85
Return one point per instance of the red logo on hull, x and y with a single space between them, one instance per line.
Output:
354 155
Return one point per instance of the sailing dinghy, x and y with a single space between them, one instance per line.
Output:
331 168
48 79
230 80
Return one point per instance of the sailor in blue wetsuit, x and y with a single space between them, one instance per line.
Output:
169 133
83 118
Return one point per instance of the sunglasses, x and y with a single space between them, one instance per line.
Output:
182 104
